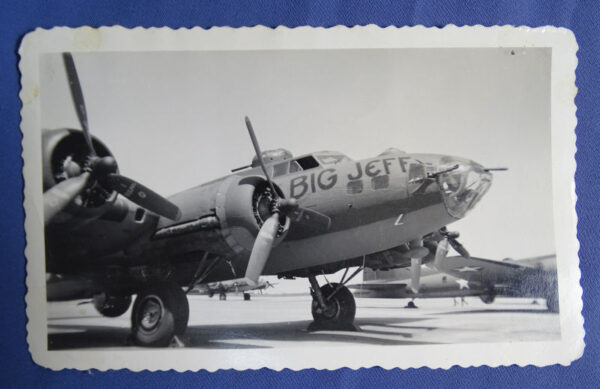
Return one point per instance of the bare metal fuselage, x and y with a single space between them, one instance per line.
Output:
374 205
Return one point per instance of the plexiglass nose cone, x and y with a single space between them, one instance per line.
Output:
464 186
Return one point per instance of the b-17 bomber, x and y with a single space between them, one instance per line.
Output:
282 215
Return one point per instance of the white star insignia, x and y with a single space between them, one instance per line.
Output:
468 268
462 284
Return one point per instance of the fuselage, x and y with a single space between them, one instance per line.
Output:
374 204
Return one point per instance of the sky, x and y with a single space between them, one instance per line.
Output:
174 120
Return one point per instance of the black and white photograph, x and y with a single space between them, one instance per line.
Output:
300 198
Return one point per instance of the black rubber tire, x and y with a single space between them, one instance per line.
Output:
111 306
172 306
487 298
246 296
343 307
222 296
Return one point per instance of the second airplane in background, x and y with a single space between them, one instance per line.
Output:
461 276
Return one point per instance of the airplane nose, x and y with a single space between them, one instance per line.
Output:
463 184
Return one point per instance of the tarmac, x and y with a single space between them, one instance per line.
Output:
279 321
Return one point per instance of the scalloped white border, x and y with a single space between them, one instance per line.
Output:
117 38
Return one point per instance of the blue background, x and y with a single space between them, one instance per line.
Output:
20 17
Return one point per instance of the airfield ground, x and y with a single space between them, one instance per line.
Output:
281 321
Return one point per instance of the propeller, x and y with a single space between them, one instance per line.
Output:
78 101
61 194
259 154
100 170
440 253
283 207
143 196
262 249
456 245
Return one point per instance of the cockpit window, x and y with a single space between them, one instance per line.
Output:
280 169
331 159
295 167
308 162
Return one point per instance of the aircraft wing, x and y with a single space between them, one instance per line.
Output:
390 285
483 271
231 286
434 285
393 275
380 289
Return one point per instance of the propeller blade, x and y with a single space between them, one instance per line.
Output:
459 248
440 253
304 216
142 196
415 274
259 154
78 101
61 194
453 239
289 207
261 249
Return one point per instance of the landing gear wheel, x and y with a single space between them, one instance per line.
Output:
246 296
487 298
111 306
160 312
340 309
411 305
222 296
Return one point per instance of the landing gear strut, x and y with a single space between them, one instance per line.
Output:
333 306
160 313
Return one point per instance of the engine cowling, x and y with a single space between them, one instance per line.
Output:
64 154
243 204
221 217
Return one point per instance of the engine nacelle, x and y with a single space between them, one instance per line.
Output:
243 204
64 153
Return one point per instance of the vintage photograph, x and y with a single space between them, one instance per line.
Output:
300 198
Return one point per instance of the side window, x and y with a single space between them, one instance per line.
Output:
280 169
380 182
416 173
355 187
